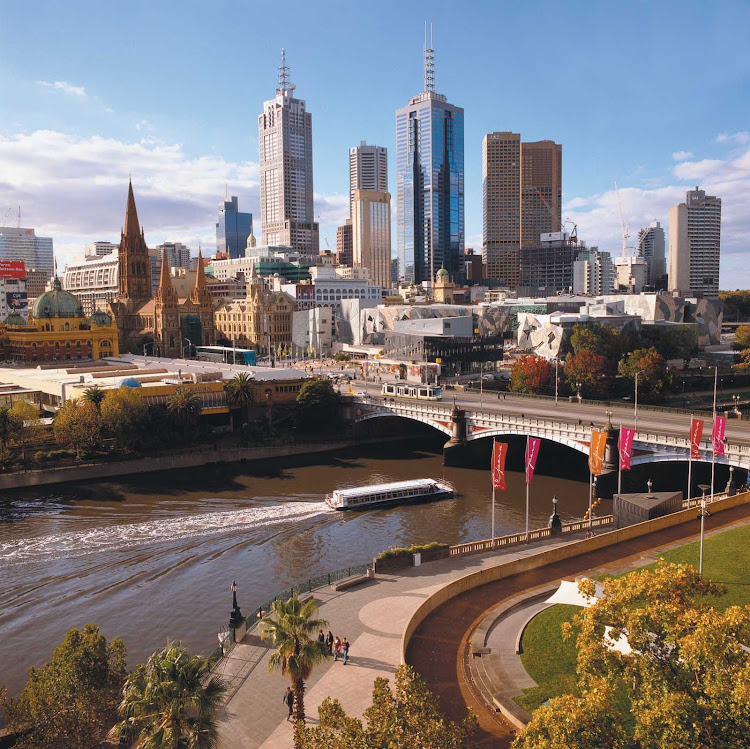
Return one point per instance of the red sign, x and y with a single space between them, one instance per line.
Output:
532 452
12 269
696 433
499 451
626 447
720 425
596 451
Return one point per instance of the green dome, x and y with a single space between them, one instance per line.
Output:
100 318
14 319
443 273
57 303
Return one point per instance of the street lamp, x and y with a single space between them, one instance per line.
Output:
555 524
736 401
649 484
635 410
557 378
235 618
578 390
702 515
189 346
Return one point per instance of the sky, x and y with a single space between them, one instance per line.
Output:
653 95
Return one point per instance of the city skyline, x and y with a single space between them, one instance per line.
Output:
77 130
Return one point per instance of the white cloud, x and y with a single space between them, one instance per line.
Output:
65 87
682 155
739 139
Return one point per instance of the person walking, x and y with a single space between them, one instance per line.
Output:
289 699
329 641
321 637
336 648
345 650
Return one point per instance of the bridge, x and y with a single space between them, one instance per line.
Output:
661 434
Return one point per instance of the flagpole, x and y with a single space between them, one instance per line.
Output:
527 512
690 461
492 479
619 462
591 482
713 435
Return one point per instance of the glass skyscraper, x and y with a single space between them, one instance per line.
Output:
23 244
233 228
430 184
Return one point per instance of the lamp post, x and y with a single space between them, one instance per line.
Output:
649 484
235 618
702 515
555 524
557 378
635 408
189 346
578 390
736 401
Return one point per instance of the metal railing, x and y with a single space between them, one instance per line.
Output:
519 538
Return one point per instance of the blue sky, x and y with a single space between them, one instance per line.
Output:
653 95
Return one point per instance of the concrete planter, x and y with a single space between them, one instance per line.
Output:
392 563
431 555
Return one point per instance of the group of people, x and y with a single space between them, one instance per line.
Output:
339 647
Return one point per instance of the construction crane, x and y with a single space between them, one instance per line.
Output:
574 234
7 216
625 234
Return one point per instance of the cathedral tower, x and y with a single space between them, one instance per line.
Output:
134 271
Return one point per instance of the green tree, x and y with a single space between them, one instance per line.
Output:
588 373
654 381
168 703
242 391
736 305
409 718
600 339
25 424
7 426
292 628
317 404
686 681
530 374
72 701
124 418
77 426
742 337
185 407
94 394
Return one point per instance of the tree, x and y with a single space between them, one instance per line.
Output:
686 680
94 394
167 705
6 426
317 404
185 407
742 337
72 701
25 424
77 426
653 379
292 628
242 390
736 305
410 718
600 339
124 418
530 374
588 373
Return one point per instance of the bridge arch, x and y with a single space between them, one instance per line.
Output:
365 415
581 446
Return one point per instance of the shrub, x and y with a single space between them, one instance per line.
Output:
406 551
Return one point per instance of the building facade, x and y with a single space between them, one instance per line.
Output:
651 248
695 245
593 272
345 243
96 250
178 255
94 282
546 267
286 169
368 170
371 234
232 229
23 244
429 183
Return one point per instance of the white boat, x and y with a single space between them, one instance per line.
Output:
359 497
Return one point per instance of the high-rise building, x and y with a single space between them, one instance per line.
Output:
96 250
344 243
178 255
592 272
430 183
546 267
651 249
23 244
521 200
695 245
232 229
368 170
286 169
371 234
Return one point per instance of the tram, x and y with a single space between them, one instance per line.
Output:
420 392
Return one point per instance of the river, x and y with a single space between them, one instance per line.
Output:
152 557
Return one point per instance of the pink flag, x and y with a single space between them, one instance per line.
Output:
720 425
532 451
626 447
696 433
499 450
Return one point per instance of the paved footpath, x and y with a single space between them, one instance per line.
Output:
373 616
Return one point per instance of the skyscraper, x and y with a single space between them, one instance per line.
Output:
344 243
286 169
430 183
368 170
521 200
651 249
17 243
232 229
371 234
695 244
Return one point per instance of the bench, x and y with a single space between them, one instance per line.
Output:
350 582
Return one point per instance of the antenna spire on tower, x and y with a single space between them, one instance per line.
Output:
284 83
429 62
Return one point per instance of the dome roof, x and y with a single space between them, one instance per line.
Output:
100 318
14 319
129 382
443 273
57 303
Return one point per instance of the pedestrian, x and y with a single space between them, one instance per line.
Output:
289 699
321 637
329 641
336 648
345 649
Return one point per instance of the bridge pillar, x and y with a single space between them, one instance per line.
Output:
454 450
611 451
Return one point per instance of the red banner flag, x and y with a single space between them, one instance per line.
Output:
532 451
626 447
596 451
499 450
720 425
696 434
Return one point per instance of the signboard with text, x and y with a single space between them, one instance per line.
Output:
12 269
16 301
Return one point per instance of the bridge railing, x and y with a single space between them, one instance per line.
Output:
519 538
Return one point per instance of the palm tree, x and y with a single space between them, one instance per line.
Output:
241 392
292 630
185 406
167 705
94 394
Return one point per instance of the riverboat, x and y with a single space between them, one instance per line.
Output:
361 497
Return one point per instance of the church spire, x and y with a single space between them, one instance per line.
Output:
132 229
200 290
165 292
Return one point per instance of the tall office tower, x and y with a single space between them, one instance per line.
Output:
521 200
394 272
593 273
232 229
178 255
695 245
371 234
368 170
286 170
344 243
430 183
17 243
651 249
96 250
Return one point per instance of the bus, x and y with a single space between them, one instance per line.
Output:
420 392
227 355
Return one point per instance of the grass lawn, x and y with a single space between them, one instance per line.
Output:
551 662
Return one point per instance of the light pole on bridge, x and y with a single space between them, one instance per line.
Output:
635 408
